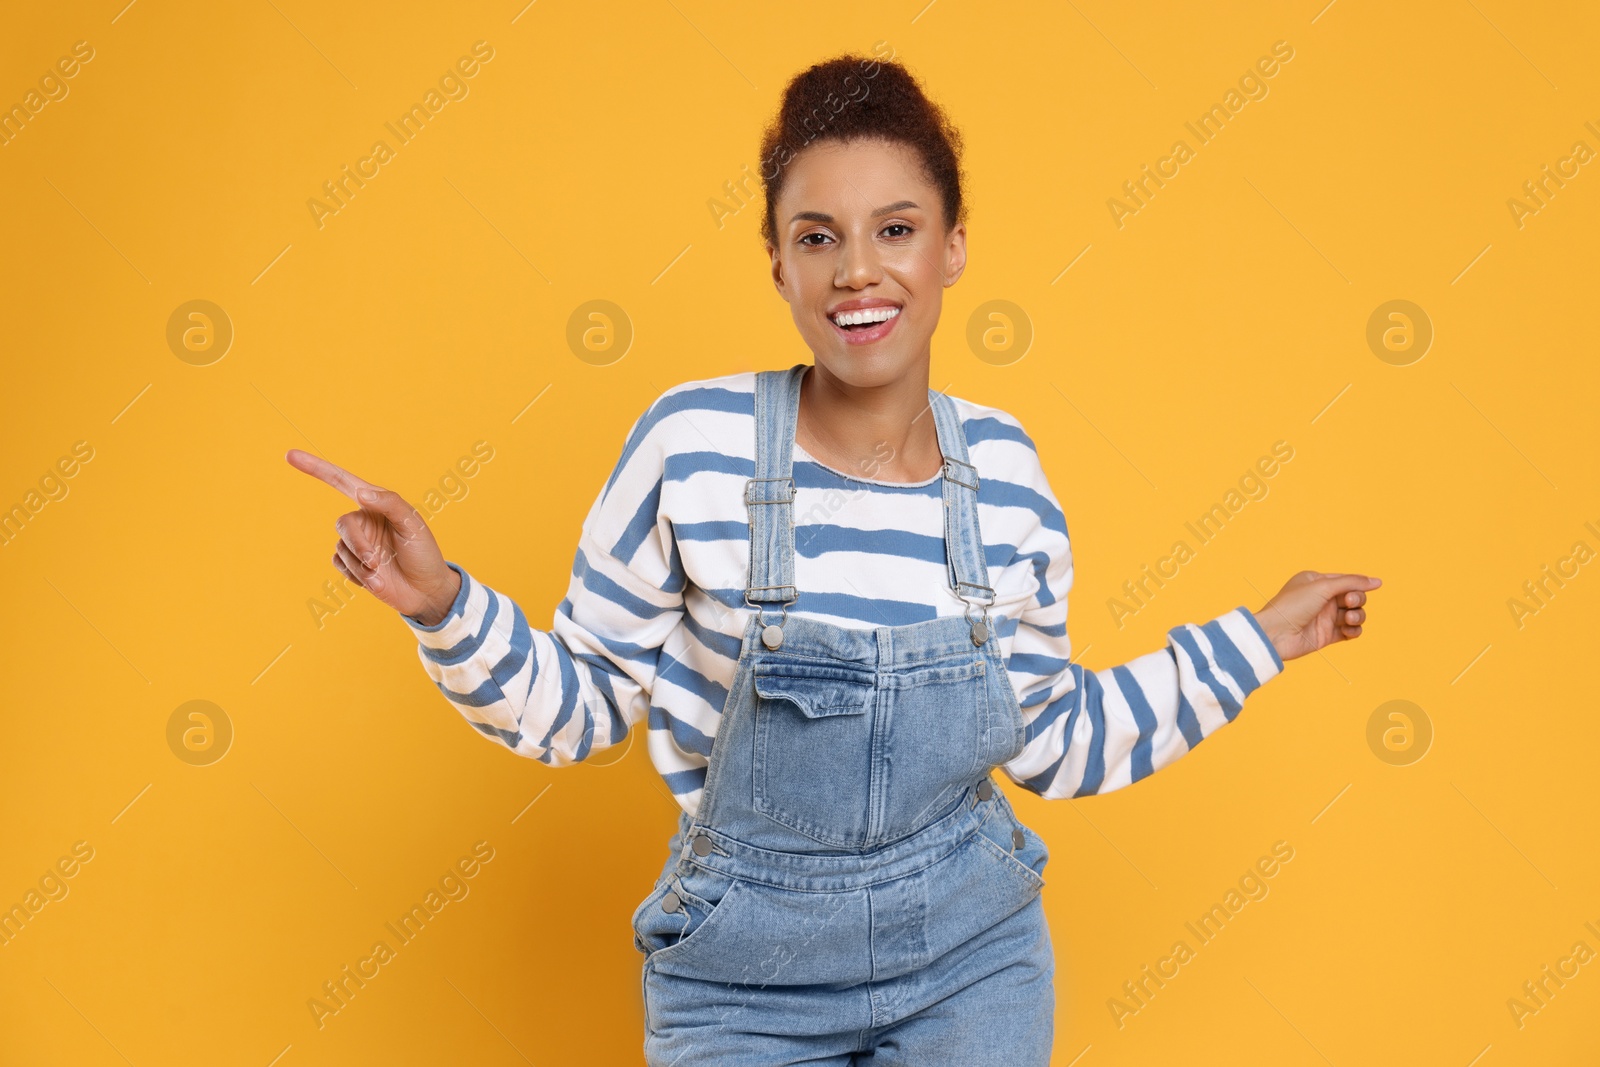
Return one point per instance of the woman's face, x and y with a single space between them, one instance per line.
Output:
861 229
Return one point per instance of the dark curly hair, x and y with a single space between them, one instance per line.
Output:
852 97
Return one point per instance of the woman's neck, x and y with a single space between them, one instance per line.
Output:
885 432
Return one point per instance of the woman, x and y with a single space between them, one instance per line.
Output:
786 573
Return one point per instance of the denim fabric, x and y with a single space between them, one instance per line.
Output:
844 893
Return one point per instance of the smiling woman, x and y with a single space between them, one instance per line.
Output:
846 881
865 229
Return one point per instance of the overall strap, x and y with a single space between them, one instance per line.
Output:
963 540
770 494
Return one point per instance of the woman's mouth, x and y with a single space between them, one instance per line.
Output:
864 326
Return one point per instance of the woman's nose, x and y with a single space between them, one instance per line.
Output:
859 265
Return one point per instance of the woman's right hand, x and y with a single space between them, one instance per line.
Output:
385 547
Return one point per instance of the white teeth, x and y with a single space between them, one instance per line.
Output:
856 318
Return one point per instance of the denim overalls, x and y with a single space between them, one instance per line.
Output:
853 888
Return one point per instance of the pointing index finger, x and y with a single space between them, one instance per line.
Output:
336 476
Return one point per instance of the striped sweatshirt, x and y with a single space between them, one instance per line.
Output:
651 626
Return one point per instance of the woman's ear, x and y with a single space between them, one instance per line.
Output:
777 271
955 254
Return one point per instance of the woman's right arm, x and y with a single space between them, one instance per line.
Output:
559 695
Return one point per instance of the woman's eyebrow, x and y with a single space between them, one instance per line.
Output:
819 216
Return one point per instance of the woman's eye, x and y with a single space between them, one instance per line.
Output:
897 226
805 239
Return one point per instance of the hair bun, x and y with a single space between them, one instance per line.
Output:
854 97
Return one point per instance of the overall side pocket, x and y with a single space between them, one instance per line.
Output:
696 896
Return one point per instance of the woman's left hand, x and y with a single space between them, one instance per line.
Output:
1313 610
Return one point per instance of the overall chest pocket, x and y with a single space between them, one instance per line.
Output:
939 716
853 759
813 765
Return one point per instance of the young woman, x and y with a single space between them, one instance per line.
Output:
839 598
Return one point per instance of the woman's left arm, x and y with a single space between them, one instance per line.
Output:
1091 732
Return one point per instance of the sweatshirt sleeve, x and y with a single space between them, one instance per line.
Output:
560 695
1091 732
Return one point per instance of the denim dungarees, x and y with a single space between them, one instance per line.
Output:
853 887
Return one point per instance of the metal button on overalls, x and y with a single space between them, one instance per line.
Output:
854 898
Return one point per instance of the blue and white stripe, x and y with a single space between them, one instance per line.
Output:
651 625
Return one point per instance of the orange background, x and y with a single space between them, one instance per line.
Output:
1228 313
